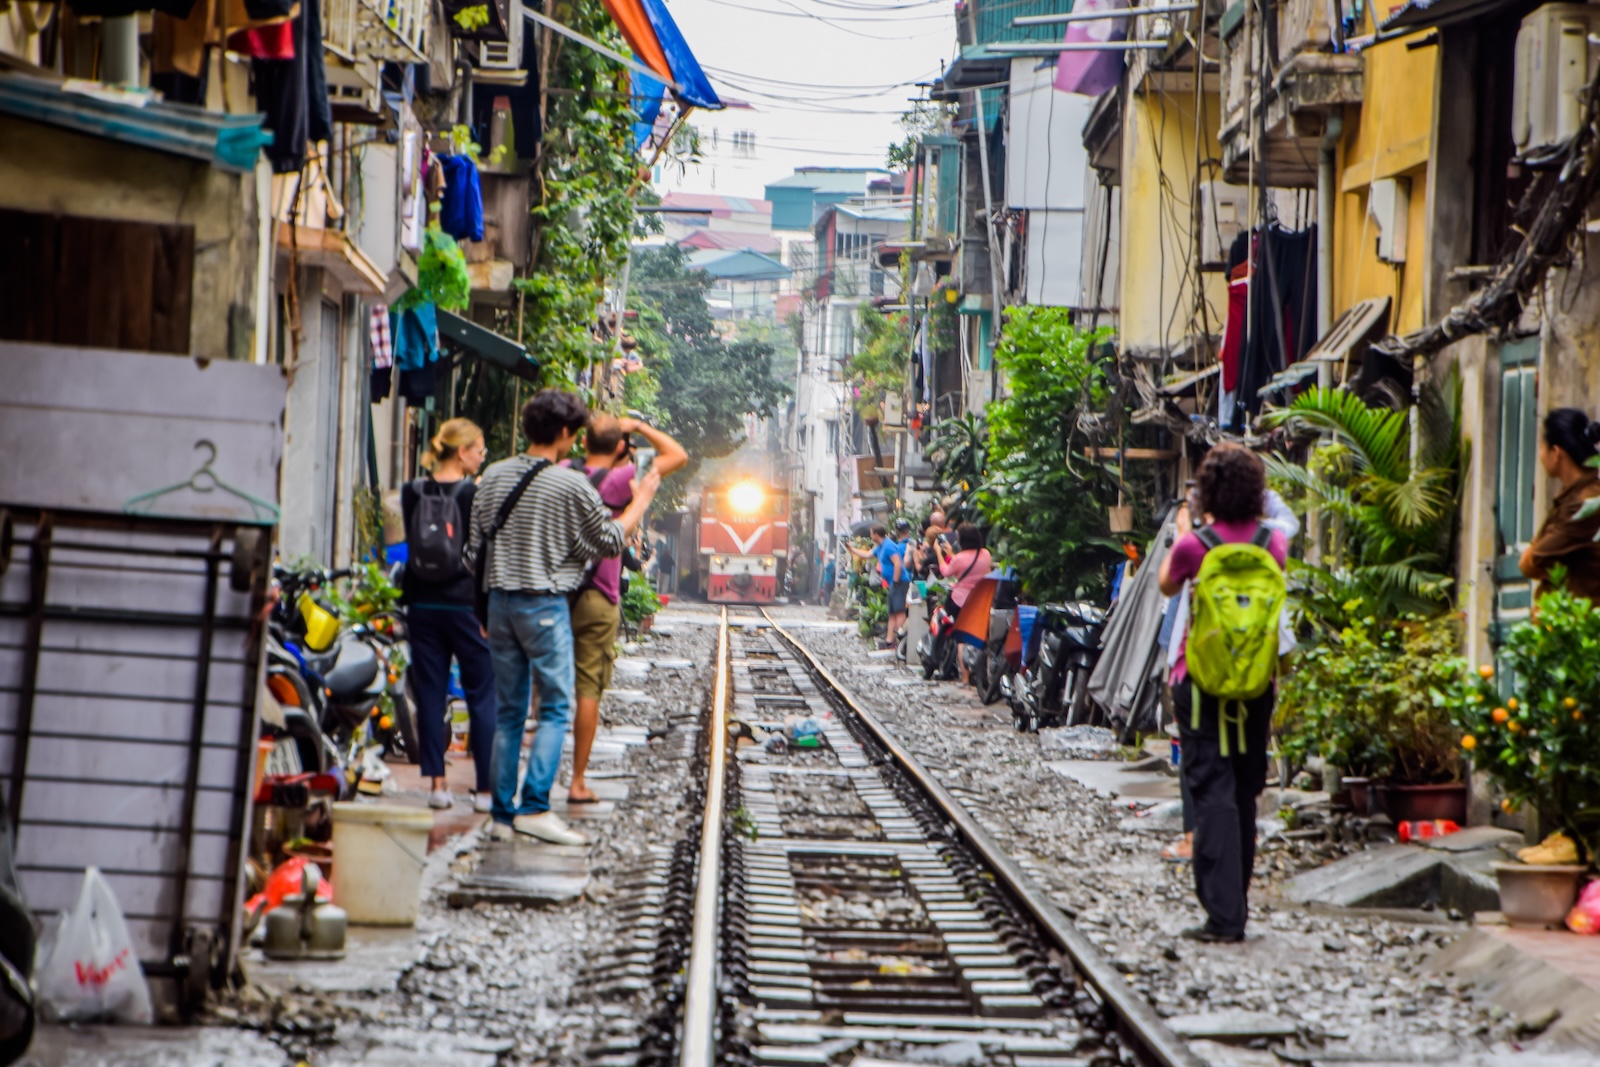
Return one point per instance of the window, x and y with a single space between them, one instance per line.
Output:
832 436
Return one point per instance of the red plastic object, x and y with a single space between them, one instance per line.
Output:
1584 918
1426 829
286 878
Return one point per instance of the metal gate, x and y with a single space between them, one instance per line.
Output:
128 677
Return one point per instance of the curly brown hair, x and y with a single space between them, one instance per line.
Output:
1232 482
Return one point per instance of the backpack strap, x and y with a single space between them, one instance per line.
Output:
1240 712
1209 537
1263 536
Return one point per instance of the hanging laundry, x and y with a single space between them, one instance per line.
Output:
418 386
294 94
1281 321
380 383
416 336
461 205
380 340
272 41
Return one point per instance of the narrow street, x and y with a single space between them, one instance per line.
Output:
534 954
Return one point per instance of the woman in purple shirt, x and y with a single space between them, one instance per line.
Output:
1231 483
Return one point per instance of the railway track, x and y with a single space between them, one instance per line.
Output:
848 908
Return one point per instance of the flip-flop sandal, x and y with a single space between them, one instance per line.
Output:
582 800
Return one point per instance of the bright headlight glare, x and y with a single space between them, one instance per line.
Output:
746 498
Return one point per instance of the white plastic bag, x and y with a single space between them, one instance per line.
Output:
91 971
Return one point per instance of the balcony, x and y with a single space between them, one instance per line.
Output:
1309 83
395 30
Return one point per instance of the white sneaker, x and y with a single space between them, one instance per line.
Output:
482 803
548 826
440 799
499 831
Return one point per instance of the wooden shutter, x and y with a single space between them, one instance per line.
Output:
1518 467
96 283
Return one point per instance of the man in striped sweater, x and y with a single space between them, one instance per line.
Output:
541 555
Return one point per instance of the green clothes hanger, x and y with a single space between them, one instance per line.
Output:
204 480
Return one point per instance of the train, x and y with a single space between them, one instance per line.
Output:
743 541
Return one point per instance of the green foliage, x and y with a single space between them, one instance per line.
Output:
472 19
883 352
1387 517
924 118
640 601
1378 699
586 169
1534 730
706 385
441 274
1046 505
959 448
461 141
365 596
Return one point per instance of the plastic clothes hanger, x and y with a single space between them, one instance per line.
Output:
204 480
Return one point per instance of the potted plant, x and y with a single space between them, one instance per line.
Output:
1531 728
640 604
1378 701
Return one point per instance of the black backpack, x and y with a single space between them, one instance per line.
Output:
435 537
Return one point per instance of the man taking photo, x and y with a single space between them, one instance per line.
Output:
609 467
548 524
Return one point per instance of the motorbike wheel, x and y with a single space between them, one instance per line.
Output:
994 669
1075 699
403 740
930 663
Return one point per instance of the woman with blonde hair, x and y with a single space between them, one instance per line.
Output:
438 595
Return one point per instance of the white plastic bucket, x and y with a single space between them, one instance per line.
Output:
379 851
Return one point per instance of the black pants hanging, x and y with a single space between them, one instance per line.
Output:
1223 792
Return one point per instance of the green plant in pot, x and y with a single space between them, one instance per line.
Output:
640 603
1532 726
1378 700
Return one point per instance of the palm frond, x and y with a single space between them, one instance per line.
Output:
1379 438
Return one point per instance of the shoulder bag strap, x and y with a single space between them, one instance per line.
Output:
510 503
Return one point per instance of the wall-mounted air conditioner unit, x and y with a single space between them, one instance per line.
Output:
1555 59
1389 204
506 54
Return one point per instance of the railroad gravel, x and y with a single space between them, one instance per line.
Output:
1349 983
498 985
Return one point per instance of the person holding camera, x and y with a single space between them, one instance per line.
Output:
596 608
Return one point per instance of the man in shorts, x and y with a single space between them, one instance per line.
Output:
595 608
890 555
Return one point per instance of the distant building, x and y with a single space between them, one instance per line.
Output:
798 200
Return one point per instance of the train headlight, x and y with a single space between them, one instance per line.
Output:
766 563
746 498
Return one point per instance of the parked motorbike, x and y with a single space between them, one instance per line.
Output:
938 648
332 681
987 666
1052 688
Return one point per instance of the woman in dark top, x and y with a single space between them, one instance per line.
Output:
441 623
1564 540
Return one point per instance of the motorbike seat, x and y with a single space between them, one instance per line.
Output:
348 669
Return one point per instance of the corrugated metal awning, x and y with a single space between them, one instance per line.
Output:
1424 14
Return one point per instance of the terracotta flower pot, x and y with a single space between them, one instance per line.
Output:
644 624
1406 803
1360 794
1537 896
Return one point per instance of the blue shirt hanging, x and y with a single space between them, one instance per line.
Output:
416 336
461 206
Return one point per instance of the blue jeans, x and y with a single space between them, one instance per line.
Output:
530 638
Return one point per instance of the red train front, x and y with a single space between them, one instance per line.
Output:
744 542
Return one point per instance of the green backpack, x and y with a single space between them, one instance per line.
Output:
1233 628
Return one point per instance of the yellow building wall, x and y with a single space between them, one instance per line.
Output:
1388 136
1159 133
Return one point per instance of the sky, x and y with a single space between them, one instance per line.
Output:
826 81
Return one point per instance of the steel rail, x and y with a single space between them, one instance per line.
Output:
1135 1019
698 1047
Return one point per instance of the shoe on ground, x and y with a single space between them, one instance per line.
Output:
1207 935
440 800
482 803
548 826
500 831
1555 850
